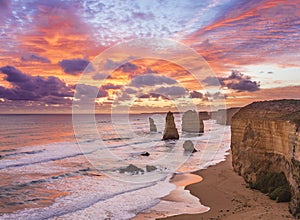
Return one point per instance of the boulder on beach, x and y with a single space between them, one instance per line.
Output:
170 128
146 154
152 125
189 146
132 169
192 123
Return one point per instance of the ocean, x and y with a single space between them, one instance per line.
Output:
51 169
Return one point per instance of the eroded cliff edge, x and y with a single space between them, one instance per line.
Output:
265 139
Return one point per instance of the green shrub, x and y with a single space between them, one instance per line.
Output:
281 194
275 184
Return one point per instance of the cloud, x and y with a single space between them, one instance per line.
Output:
149 70
196 95
111 86
236 81
33 88
101 76
73 66
251 32
128 67
153 95
212 81
4 8
172 91
84 91
239 82
35 58
110 64
130 91
216 96
151 80
142 16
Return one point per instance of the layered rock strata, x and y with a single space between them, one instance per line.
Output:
265 142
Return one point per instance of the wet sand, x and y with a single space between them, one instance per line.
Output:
178 201
228 197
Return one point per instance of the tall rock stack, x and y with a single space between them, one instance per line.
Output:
265 146
152 125
170 128
192 123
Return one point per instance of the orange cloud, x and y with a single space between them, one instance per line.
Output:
263 33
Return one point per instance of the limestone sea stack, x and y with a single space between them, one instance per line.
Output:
204 115
170 128
224 116
192 123
265 145
152 125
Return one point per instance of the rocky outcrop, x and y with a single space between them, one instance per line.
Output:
192 123
188 146
265 141
145 154
170 128
204 115
150 168
152 125
224 116
132 169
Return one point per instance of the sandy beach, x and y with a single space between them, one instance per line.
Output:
228 197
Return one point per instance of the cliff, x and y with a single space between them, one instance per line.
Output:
265 145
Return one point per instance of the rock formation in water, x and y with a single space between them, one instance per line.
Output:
150 168
265 145
224 116
170 128
204 115
152 125
189 146
192 123
132 169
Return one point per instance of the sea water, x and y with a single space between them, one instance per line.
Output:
46 170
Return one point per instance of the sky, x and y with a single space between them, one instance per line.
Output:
51 54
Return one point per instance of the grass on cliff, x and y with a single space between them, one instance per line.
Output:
275 184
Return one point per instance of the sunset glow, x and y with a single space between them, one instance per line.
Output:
251 46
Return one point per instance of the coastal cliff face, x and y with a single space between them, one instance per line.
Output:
265 139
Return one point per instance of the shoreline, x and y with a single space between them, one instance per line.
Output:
227 196
177 199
